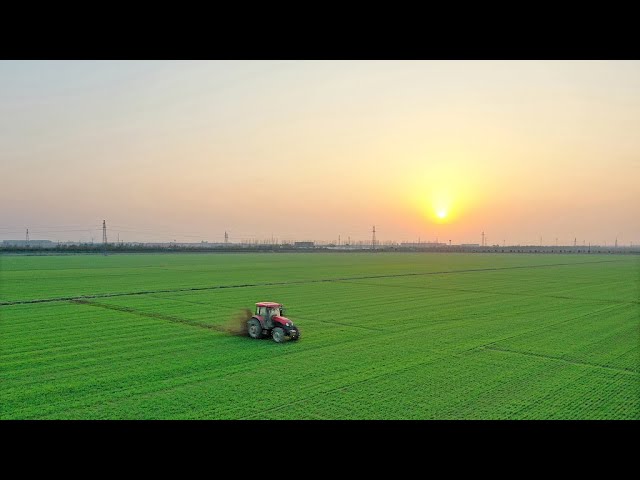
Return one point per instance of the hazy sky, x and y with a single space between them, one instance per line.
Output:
185 150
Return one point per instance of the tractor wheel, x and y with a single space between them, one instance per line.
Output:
254 328
278 335
296 336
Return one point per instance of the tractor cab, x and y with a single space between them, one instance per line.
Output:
269 321
268 310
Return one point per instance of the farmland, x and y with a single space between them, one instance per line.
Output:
384 336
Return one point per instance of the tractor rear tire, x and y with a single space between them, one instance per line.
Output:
254 328
278 335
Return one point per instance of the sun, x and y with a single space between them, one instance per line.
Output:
438 205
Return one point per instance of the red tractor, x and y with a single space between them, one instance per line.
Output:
268 321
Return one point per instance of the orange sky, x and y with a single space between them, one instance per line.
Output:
313 150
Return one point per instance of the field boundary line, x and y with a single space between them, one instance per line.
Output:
291 282
560 359
173 299
157 316
466 290
535 329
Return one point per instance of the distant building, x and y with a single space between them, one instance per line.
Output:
470 245
303 244
422 244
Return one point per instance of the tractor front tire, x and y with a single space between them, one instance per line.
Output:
296 336
254 328
278 335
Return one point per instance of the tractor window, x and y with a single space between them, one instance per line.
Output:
261 310
275 311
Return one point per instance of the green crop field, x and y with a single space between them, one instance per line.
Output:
384 336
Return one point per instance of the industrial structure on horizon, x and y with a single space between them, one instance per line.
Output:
308 245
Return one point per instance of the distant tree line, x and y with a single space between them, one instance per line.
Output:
246 248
